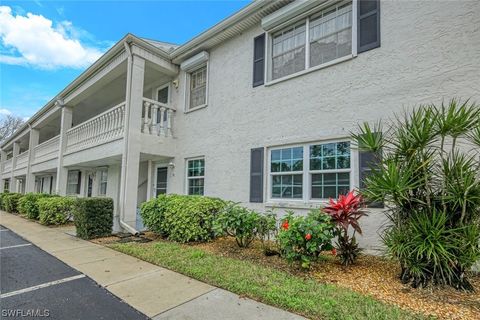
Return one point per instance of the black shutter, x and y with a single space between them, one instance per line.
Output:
79 181
367 162
368 25
256 175
258 60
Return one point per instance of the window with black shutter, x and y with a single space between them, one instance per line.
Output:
258 60
368 25
256 175
368 161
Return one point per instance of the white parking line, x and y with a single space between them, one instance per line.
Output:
17 246
4 230
40 286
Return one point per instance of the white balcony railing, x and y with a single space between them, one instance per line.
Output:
47 150
22 160
157 118
105 127
7 165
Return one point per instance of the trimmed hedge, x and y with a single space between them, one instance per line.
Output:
55 210
28 204
2 196
93 217
182 218
10 202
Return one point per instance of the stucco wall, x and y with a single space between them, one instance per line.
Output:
429 51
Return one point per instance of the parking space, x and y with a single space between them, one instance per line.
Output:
32 280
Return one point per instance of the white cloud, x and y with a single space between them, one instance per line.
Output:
5 112
37 42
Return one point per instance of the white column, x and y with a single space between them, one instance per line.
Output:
150 180
132 141
3 157
33 142
62 172
13 181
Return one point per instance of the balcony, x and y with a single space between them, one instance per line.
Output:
47 150
103 128
7 166
22 161
157 118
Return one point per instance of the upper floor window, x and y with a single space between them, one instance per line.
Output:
314 41
198 88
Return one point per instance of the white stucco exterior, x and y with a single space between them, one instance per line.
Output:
430 52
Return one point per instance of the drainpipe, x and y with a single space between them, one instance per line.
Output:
125 138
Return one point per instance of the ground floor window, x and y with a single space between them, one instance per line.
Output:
73 182
102 186
6 185
314 171
196 176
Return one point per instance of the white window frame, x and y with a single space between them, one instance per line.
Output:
306 199
100 182
78 182
306 18
187 87
187 178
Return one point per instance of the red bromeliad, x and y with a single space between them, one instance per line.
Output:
285 225
346 211
308 236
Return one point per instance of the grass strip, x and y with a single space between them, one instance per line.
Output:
293 293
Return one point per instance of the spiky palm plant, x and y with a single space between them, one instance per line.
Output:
429 179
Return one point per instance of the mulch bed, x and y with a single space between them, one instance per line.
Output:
371 275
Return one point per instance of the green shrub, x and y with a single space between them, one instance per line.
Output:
55 210
28 204
429 177
182 218
238 222
2 196
303 238
10 202
93 217
268 232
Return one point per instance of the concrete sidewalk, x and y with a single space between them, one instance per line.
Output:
155 291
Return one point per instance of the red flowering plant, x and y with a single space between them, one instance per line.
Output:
345 213
302 238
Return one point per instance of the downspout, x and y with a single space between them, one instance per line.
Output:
125 138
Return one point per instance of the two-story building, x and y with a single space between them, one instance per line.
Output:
257 109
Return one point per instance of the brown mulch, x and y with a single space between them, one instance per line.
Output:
371 275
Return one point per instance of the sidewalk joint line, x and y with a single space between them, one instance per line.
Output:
16 246
40 286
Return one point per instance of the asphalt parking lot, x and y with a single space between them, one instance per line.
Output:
34 284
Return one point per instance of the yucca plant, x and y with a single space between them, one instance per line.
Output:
429 179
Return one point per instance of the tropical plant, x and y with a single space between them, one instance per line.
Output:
429 179
238 222
267 230
345 213
303 238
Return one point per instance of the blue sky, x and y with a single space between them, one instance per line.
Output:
44 45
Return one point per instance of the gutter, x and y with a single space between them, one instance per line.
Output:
128 94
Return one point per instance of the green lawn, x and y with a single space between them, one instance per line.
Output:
307 297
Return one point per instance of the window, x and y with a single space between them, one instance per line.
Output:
102 186
287 173
310 172
330 170
314 41
6 185
330 35
198 88
288 54
196 176
73 182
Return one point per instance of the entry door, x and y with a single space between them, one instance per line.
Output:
161 183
